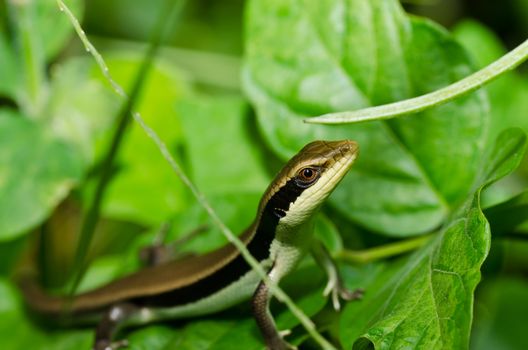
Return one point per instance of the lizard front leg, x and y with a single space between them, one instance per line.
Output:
260 305
335 285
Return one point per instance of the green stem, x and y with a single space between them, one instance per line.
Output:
413 105
90 48
384 251
169 9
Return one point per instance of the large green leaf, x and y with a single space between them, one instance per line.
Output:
305 58
508 102
145 189
37 170
53 26
40 32
427 301
73 115
18 332
222 152
509 105
235 334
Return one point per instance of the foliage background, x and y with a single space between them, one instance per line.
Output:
232 134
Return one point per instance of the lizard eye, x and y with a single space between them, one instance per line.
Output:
308 175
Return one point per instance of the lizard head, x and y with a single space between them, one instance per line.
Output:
308 179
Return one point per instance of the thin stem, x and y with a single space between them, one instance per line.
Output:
90 48
413 105
384 251
274 288
92 216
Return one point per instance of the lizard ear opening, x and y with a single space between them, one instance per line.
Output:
279 213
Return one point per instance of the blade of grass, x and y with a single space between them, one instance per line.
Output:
413 105
165 18
274 288
90 48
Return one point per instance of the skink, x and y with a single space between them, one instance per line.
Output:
278 237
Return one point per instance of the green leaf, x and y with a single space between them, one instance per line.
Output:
145 189
53 26
73 115
36 172
222 153
482 43
509 105
310 58
18 332
226 333
327 233
426 302
40 31
215 138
